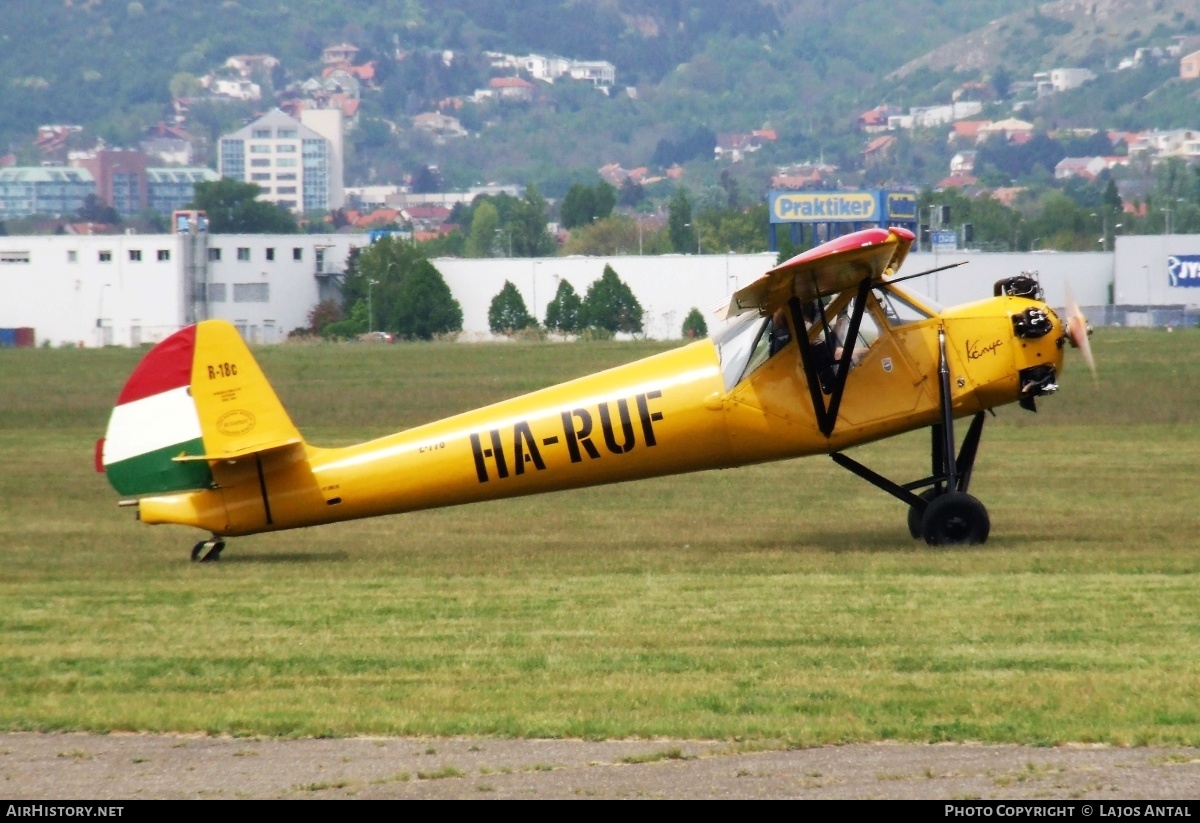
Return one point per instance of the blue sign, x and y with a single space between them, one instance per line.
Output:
1184 270
825 207
901 206
943 240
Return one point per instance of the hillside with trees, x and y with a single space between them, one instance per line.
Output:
689 75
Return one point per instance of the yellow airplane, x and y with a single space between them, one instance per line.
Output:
199 438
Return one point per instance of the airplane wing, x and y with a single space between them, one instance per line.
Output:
830 268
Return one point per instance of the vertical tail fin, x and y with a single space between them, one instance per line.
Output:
197 396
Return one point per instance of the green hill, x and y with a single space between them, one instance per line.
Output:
803 67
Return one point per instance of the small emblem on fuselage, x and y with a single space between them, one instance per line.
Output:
887 364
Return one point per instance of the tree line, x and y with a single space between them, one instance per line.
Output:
391 287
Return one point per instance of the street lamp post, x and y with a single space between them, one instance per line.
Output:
1103 229
533 280
697 228
370 307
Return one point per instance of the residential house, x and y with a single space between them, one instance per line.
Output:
1126 137
1007 195
1085 167
51 141
425 218
956 181
599 73
512 89
169 145
973 90
336 80
966 131
879 150
235 88
1161 143
1070 78
1010 129
876 120
804 176
807 180
249 64
962 163
926 116
613 174
1142 56
341 53
545 68
1189 66
377 218
438 124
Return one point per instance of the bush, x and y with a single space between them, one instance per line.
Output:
562 315
610 305
507 313
694 326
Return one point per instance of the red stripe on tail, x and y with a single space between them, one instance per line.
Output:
167 366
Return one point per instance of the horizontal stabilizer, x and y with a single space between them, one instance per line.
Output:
261 449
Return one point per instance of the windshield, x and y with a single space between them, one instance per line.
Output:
901 308
735 343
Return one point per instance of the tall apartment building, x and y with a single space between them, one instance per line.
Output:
295 166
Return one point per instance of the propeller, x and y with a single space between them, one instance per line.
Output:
1078 331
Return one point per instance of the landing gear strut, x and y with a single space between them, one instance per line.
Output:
208 551
944 514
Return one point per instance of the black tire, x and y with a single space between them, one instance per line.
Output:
196 549
915 514
214 554
955 518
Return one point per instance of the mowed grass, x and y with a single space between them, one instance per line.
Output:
782 604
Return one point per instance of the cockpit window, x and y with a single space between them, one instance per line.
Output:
899 308
736 343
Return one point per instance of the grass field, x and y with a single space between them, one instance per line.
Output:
777 605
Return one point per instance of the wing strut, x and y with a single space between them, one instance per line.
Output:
829 378
950 472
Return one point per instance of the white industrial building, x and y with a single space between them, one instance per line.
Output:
133 289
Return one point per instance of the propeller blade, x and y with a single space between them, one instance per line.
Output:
1078 331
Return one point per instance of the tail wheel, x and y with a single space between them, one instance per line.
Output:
916 514
208 551
955 518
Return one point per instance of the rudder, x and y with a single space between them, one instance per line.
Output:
196 397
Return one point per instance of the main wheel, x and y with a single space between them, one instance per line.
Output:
196 549
915 514
955 518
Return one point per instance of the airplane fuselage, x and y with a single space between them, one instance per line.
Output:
675 412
